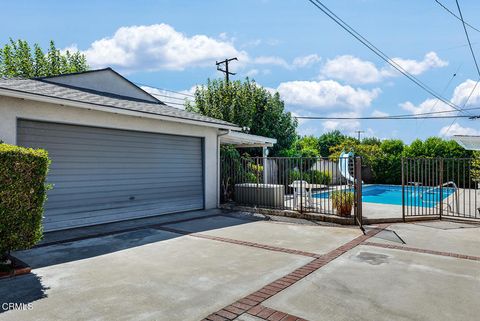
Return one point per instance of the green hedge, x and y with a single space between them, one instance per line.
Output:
311 176
22 194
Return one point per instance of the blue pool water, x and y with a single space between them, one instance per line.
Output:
392 194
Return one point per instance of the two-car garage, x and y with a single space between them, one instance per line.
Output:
102 175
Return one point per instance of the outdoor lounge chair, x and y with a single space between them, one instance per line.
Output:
301 189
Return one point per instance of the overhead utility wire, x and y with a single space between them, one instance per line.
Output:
453 14
468 38
163 89
387 117
474 60
379 53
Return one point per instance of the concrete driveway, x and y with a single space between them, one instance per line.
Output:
227 267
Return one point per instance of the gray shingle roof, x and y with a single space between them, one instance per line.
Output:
76 94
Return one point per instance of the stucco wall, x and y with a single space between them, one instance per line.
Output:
13 108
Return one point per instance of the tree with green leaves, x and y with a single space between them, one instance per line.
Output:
18 59
475 167
436 147
306 146
248 105
329 140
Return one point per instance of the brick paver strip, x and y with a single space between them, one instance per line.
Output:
414 249
238 242
252 302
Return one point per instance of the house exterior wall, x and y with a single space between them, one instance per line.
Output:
12 109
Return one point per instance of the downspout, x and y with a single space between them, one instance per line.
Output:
219 185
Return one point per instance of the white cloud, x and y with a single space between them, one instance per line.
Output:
252 72
342 125
378 113
305 61
427 106
171 98
271 60
430 61
158 46
463 91
357 71
325 94
457 129
351 69
460 95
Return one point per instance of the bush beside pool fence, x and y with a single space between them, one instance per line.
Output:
306 185
431 187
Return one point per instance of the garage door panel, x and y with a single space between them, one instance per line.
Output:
125 208
99 168
123 193
104 136
112 215
122 207
134 183
119 148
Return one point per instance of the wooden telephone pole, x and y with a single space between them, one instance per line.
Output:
225 71
359 132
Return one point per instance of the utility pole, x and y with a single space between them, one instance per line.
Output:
359 132
225 71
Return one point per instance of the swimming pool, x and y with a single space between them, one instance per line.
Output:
424 196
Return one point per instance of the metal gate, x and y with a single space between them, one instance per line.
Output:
440 187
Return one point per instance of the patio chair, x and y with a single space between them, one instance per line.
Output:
301 189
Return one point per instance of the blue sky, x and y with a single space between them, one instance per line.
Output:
285 45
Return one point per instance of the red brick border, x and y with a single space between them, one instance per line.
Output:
417 250
245 243
269 314
252 303
256 245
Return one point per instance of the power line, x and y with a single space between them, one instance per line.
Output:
163 89
388 117
453 14
474 59
379 53
169 97
468 38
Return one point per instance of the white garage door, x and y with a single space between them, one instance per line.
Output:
102 175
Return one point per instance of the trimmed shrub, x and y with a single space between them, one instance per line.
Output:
312 176
22 194
319 177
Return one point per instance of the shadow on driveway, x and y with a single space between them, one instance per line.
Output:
95 246
27 289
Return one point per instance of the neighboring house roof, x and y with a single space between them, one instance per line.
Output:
469 142
103 80
69 94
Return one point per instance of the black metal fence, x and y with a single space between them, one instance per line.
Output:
318 185
440 187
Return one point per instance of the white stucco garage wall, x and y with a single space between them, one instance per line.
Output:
12 109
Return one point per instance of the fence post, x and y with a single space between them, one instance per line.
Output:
441 187
265 165
301 185
358 187
403 189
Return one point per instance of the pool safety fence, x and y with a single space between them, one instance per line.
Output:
443 187
304 184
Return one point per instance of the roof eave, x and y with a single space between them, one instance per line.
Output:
243 140
110 109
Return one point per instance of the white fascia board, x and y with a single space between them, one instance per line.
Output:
104 108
